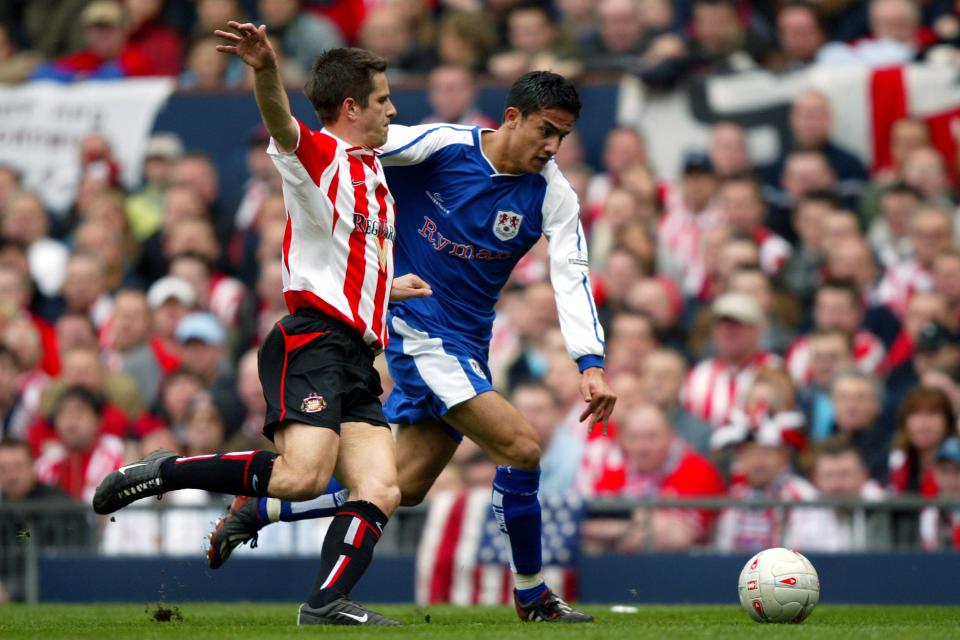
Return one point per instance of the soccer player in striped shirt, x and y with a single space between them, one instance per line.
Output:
316 365
472 202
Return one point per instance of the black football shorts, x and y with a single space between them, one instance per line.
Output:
318 371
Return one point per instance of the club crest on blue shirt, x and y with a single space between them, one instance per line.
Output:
506 225
477 369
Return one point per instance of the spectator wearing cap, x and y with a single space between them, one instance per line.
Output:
718 385
203 350
107 54
925 420
82 455
170 299
940 527
652 462
661 380
742 208
304 35
689 210
837 306
839 472
762 447
779 312
145 206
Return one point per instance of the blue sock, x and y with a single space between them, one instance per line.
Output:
517 511
322 506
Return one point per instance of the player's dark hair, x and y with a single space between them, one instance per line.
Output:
339 74
539 90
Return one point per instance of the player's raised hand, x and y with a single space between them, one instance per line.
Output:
409 285
598 395
250 44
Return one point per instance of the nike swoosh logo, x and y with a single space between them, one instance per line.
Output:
361 619
123 470
379 526
358 183
254 483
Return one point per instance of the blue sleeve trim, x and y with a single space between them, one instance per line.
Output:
421 137
589 361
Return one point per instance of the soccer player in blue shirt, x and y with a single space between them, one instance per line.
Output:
471 202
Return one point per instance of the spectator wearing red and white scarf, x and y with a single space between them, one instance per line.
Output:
718 385
761 463
931 231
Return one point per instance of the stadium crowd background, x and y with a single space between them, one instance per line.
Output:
788 330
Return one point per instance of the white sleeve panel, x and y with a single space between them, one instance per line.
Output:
413 145
570 270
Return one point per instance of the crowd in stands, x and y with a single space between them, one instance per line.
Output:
661 41
785 331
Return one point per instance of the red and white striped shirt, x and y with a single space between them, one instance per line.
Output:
713 389
338 244
868 352
680 231
900 283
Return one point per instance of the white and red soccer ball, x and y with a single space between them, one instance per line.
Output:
779 585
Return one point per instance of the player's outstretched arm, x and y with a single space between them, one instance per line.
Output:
251 45
409 285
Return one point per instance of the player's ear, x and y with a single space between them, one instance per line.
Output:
350 108
512 117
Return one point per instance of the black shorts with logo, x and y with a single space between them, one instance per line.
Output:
318 371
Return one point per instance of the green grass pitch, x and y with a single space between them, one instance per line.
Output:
267 621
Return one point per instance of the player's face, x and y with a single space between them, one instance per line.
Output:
536 137
374 119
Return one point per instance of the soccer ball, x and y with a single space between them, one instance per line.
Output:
779 585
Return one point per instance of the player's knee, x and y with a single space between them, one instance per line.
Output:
524 453
383 494
303 486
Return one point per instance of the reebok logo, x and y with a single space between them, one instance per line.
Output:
360 619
